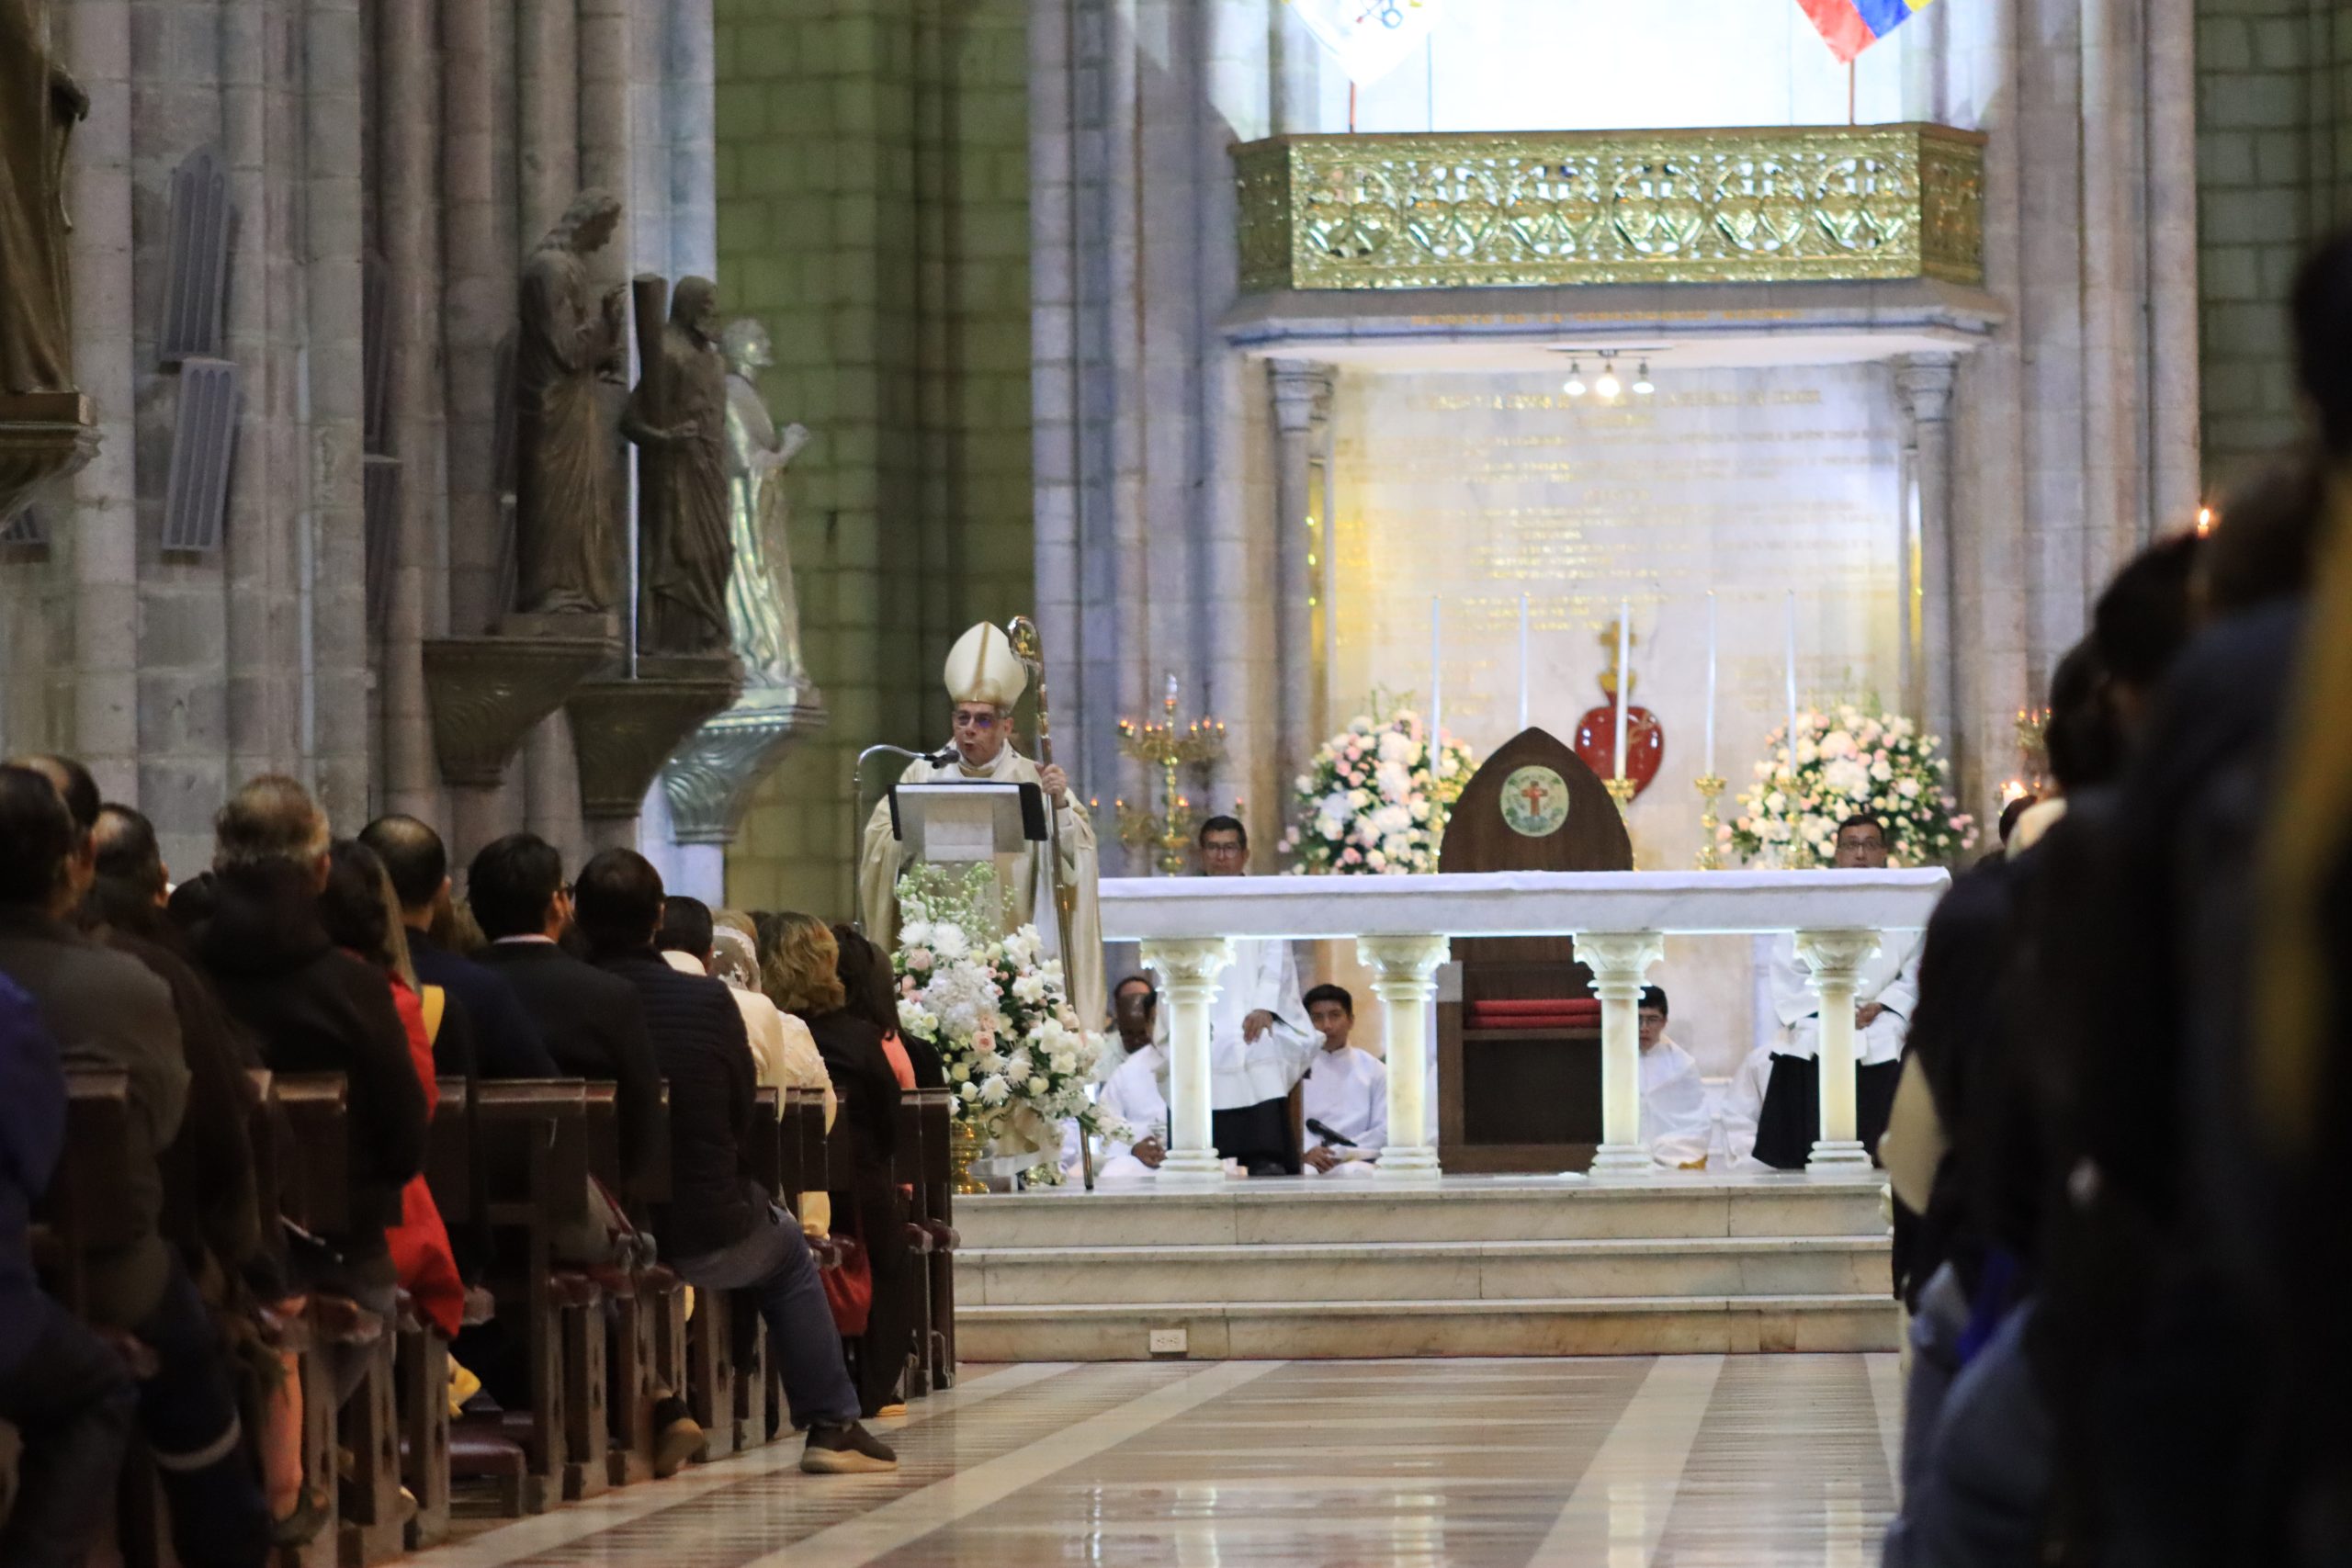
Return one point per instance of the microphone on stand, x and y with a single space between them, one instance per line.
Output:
940 757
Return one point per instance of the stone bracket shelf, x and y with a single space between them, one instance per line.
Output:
711 776
623 730
486 693
44 438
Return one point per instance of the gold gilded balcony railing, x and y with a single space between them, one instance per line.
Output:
1533 208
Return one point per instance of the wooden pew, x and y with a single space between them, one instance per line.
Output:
422 1356
535 1153
650 1324
907 1169
935 1194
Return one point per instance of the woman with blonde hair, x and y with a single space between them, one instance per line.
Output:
801 966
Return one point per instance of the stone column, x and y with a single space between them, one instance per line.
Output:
1302 401
1404 977
1188 970
1924 383
1619 962
1835 959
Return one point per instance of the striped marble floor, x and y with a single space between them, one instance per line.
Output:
1746 1462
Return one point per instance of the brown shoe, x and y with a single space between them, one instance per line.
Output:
846 1450
676 1437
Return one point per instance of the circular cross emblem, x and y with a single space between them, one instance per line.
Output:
1535 802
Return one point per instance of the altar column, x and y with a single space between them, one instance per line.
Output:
1619 962
1404 977
1923 382
1189 968
1302 400
1835 959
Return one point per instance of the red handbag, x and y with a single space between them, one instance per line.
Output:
849 1288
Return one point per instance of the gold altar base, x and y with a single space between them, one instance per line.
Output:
44 438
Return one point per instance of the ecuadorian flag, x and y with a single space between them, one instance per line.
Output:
1852 25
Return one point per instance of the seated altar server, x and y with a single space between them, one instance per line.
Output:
1789 1118
1675 1124
984 679
1137 1092
1743 1103
1260 1041
1346 1092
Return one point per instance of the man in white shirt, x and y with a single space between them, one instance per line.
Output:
1137 1091
1260 1041
1346 1093
1791 1117
1675 1124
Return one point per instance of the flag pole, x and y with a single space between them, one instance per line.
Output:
1849 90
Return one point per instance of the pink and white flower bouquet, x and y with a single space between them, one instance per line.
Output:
1376 800
1846 764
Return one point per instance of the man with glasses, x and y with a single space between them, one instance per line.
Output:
984 680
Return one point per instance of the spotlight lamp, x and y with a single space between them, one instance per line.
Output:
1642 384
1573 385
1608 387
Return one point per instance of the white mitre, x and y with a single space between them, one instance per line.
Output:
982 667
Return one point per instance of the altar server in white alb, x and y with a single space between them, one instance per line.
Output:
1260 1041
984 679
1346 1093
1137 1091
1790 1118
1676 1128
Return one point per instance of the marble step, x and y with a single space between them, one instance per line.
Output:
1297 1211
1620 1325
1725 1267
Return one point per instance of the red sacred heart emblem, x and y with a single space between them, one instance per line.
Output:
1596 743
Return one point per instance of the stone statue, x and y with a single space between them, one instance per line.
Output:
677 414
38 106
759 602
566 551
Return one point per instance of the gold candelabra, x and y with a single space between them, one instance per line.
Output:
1709 786
1171 748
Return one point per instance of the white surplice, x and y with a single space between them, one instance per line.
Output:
1263 978
1675 1125
1890 978
1347 1090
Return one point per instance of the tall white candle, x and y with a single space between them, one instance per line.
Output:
1523 662
1437 668
1791 660
1710 682
1624 674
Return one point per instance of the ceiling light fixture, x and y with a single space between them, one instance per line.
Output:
1608 387
1643 386
1573 385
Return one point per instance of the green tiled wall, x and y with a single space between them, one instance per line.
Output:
872 209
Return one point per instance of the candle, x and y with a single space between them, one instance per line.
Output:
1624 674
1523 662
1710 684
1792 680
1436 667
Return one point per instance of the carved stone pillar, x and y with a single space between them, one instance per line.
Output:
1189 969
1835 959
1404 977
1619 962
1923 382
1302 404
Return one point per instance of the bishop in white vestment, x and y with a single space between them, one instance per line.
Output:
984 680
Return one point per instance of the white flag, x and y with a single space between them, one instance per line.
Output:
1370 37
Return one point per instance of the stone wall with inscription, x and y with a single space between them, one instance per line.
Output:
1473 490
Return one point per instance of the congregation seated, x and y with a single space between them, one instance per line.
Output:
1346 1093
724 1232
501 1040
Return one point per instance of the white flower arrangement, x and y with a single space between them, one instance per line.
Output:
1017 1058
1850 763
1374 800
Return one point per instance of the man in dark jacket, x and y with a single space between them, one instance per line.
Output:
507 1042
591 1022
63 1387
313 1008
723 1233
107 1010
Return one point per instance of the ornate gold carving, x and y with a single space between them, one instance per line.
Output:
1463 211
487 692
712 773
623 730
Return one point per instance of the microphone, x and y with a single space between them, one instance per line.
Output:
942 757
1337 1140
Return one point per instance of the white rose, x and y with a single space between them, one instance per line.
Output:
970 1091
1908 789
1036 1084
